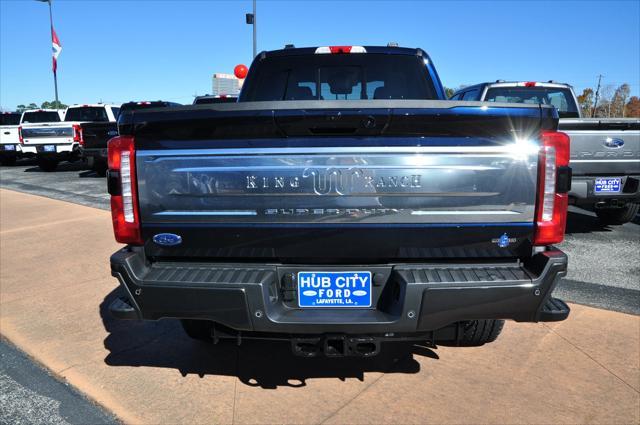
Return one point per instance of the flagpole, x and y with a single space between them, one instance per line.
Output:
55 74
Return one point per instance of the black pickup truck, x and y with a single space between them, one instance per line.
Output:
342 202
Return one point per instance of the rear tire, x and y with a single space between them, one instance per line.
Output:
48 165
480 332
198 329
8 161
618 215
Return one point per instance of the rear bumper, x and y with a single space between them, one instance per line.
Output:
11 152
407 298
583 193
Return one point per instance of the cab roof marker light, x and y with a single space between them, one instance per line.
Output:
530 84
340 49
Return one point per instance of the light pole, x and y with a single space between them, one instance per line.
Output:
55 76
251 20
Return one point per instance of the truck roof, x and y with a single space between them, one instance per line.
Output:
295 51
93 105
501 83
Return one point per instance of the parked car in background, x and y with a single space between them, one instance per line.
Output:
219 98
342 202
9 137
36 118
64 141
605 152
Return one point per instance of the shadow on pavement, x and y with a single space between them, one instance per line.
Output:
63 166
266 364
579 222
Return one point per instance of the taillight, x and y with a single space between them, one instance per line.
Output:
123 190
554 179
77 134
20 139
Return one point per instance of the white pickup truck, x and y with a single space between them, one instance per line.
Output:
605 152
9 139
36 118
64 141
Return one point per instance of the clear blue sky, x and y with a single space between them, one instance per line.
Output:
117 51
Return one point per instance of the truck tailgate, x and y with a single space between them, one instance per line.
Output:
398 202
603 146
338 185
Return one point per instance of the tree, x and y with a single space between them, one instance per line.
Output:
603 109
632 108
619 100
53 105
20 108
585 102
448 91
32 106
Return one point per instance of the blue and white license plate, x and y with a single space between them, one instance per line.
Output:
607 185
334 289
49 148
9 148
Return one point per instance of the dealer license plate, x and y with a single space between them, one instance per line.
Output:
334 289
607 185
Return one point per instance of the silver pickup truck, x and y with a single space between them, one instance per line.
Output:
605 152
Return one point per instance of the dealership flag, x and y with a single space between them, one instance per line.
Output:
57 48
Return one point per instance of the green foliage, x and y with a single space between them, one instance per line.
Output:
53 105
448 91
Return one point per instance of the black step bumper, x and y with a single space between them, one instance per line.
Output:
407 297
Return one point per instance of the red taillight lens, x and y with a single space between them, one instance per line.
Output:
551 212
20 139
530 84
340 49
77 134
124 200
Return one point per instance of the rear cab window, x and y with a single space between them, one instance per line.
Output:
339 77
9 119
560 97
471 95
87 113
40 116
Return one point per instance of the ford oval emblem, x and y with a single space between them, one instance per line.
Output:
167 239
612 143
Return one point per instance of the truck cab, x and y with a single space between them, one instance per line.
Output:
605 152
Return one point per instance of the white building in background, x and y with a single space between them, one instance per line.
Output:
225 84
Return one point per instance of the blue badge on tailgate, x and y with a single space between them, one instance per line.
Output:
334 289
607 185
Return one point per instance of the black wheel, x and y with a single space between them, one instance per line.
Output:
8 161
198 329
48 164
480 332
618 215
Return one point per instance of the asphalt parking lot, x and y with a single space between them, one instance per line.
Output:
604 261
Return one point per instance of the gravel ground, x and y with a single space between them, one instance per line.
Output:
604 261
30 395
